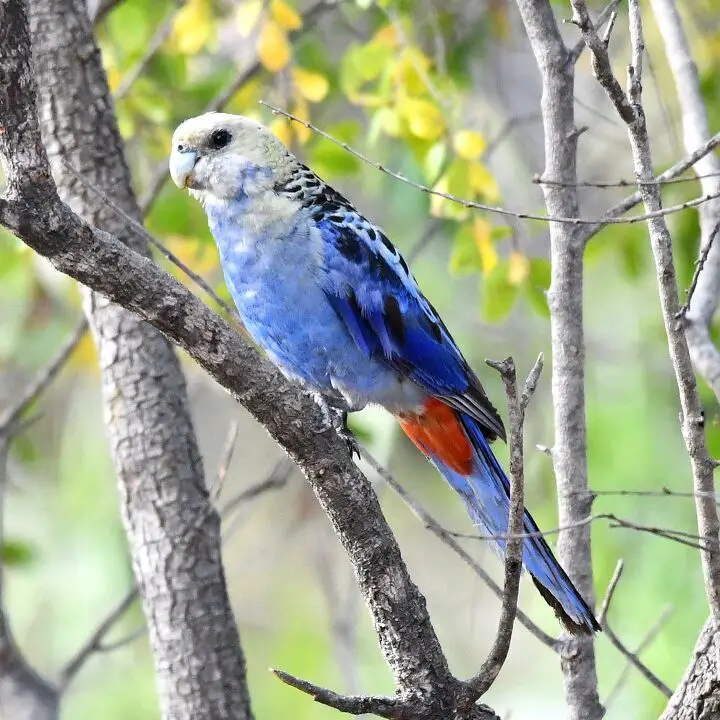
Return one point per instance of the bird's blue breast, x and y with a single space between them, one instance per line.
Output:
273 277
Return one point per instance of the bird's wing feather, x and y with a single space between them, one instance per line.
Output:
370 287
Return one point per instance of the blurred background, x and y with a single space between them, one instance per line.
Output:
446 93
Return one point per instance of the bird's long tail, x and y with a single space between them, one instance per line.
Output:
456 445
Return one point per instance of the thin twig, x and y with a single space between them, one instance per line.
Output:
635 661
631 657
537 180
140 230
607 14
652 633
517 404
470 204
156 42
447 537
94 642
159 177
610 592
43 379
512 124
352 704
699 265
225 459
632 200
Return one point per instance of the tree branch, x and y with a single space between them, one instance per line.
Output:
692 417
161 481
703 302
24 695
697 697
517 404
565 299
34 212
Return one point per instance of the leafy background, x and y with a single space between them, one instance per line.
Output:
425 88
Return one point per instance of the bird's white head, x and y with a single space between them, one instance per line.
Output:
227 156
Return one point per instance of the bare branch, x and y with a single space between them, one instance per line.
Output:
144 235
610 591
483 680
94 643
24 695
608 15
352 704
564 219
652 633
692 417
704 293
565 299
156 42
625 183
447 537
632 200
631 657
699 266
40 383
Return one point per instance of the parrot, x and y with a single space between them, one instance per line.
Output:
334 305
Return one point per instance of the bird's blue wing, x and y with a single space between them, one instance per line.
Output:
369 285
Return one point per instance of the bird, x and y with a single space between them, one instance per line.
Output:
334 305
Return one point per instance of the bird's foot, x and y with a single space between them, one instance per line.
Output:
346 434
337 419
328 416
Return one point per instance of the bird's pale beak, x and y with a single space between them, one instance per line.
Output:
182 163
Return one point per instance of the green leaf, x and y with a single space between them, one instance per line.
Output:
498 293
465 257
537 285
16 552
434 161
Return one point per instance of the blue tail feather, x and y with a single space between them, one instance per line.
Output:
486 494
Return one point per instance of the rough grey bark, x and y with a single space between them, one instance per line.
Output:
425 689
692 416
696 130
173 531
698 694
569 452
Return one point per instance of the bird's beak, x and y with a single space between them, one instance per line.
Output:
181 166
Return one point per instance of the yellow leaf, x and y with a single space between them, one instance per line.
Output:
285 16
483 183
113 77
518 268
410 71
301 111
313 86
424 119
247 16
437 203
482 235
281 128
386 36
84 356
273 47
469 144
390 122
193 26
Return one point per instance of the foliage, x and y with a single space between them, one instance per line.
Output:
400 85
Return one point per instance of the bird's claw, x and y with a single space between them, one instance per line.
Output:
344 433
337 419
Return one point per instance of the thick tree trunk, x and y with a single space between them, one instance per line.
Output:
173 531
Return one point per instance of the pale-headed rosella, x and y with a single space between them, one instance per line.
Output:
334 305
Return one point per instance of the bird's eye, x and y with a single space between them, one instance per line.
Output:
219 139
